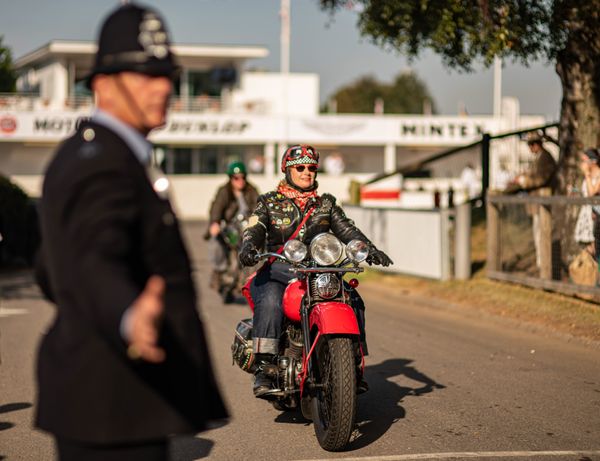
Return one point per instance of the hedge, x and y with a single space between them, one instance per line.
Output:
18 225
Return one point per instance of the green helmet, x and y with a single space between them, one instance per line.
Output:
236 168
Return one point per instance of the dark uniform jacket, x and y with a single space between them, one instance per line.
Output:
276 217
104 232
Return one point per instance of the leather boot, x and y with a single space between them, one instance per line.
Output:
264 374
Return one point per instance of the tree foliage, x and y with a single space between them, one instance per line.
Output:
7 73
468 32
405 95
465 31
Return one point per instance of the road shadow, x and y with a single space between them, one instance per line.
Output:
292 417
380 407
4 425
7 408
19 287
190 448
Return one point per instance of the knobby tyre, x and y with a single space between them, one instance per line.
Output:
334 405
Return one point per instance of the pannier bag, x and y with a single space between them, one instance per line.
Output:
241 349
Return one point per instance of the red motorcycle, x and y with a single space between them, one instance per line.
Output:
320 362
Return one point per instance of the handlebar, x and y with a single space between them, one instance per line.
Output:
270 255
309 270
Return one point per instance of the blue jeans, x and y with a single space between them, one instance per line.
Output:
267 290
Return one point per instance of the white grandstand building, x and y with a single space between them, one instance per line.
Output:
221 112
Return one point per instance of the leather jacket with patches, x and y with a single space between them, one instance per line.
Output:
276 217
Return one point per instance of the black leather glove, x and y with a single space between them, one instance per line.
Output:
248 254
378 257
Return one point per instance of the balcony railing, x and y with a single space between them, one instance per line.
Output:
196 104
32 102
18 101
215 104
26 102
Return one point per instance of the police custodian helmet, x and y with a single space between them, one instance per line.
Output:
135 39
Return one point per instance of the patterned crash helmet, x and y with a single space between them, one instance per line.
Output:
299 155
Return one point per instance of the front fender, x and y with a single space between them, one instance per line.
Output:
333 318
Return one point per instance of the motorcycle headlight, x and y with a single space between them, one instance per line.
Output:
326 249
295 250
357 250
327 285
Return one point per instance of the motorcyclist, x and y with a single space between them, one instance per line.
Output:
276 217
235 197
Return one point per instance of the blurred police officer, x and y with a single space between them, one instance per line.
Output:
125 363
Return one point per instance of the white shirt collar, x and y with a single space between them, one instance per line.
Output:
141 147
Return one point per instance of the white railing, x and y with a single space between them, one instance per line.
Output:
215 104
27 102
24 102
79 102
18 101
196 104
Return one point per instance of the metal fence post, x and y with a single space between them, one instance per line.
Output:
446 270
485 164
462 242
494 260
545 237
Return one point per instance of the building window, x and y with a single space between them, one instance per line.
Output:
212 159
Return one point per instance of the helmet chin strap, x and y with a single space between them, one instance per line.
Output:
145 128
288 178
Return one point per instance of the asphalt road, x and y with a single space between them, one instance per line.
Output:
444 384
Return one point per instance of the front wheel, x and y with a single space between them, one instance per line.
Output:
334 405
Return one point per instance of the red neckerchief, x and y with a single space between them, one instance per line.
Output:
299 197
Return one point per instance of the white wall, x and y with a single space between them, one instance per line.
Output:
268 89
192 195
18 159
54 83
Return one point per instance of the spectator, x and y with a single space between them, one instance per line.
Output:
587 228
471 181
503 177
256 164
541 174
334 164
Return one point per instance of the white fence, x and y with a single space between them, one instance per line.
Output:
418 241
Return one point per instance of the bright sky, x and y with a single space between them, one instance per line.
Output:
332 48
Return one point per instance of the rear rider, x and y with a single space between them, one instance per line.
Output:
236 196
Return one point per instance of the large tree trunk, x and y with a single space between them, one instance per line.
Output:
578 69
580 110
